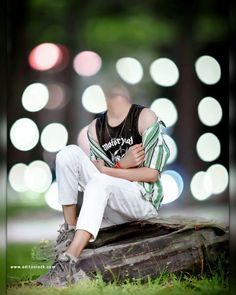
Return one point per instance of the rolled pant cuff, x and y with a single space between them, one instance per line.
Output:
67 203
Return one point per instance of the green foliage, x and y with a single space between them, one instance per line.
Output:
208 28
44 251
115 32
112 26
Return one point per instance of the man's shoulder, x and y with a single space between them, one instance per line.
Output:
92 124
148 113
146 119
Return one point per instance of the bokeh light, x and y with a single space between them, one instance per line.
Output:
16 177
209 111
24 134
35 97
164 72
87 63
129 69
201 186
208 69
54 137
57 96
173 148
45 56
208 147
219 177
165 110
38 176
51 197
83 141
93 99
172 186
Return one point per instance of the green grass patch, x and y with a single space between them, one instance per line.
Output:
20 266
14 210
19 280
168 285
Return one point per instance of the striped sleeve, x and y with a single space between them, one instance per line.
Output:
155 147
97 153
92 156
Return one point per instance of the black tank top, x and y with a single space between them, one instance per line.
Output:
115 141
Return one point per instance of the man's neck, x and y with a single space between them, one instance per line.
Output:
117 110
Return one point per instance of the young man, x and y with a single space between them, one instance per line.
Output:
121 180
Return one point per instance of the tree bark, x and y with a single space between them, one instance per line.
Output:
139 250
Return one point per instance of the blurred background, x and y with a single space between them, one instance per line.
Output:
172 57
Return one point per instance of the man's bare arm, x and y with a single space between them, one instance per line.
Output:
92 130
146 119
143 174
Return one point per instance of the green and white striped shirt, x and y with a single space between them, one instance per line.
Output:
156 156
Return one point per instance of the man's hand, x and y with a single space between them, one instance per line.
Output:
134 157
99 164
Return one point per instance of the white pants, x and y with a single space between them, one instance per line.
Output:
105 197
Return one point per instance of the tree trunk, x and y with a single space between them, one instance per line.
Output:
139 250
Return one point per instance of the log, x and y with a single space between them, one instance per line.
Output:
144 249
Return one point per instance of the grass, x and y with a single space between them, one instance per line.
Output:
21 255
166 284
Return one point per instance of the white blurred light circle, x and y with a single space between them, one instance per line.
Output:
219 177
93 99
164 72
51 197
35 97
172 186
38 176
129 69
24 134
209 111
45 56
208 69
54 137
16 177
87 63
166 110
201 186
208 147
173 148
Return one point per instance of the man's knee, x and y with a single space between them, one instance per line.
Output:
98 181
102 182
100 178
68 154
